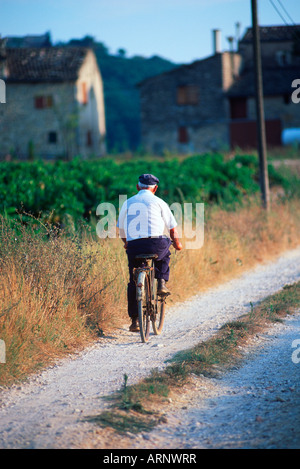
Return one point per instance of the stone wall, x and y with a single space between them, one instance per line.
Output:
91 113
24 129
205 123
270 53
68 125
275 107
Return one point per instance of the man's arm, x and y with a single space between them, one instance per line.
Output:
120 224
174 237
123 237
169 220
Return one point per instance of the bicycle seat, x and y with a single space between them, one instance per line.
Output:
146 256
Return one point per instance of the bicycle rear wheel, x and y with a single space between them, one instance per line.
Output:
159 313
144 309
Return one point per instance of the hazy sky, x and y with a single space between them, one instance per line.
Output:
179 30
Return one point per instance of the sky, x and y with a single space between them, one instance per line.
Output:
177 30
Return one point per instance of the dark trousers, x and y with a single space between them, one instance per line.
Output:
159 246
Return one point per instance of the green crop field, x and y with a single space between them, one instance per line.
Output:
54 190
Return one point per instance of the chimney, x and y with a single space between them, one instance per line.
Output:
237 34
216 41
230 39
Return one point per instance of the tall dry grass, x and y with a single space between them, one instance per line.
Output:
233 243
60 291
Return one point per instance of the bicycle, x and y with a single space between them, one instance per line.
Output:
151 307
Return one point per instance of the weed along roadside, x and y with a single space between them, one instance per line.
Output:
63 288
57 403
141 407
62 293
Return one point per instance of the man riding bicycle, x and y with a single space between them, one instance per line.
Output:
142 221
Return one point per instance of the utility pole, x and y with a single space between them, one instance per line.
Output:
261 131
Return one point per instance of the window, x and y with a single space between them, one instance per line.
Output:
43 102
283 58
89 140
238 108
183 136
52 137
84 93
187 95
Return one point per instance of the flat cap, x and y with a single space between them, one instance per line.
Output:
148 179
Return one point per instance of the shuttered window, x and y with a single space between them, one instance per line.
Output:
89 139
183 136
43 102
84 93
52 137
238 108
187 95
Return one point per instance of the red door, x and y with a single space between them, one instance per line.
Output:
244 134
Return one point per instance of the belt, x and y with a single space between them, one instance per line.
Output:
148 237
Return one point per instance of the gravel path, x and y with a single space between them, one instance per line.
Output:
48 411
254 406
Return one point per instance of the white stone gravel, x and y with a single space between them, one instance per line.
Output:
49 410
254 406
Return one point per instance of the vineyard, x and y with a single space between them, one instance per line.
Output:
57 190
61 286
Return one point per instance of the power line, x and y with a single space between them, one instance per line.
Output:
283 19
284 9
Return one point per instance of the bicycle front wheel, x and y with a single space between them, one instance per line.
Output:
159 313
144 307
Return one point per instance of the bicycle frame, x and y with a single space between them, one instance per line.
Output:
153 308
140 274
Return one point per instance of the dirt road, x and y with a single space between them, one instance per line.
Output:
254 406
49 411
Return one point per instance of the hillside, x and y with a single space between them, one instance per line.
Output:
120 76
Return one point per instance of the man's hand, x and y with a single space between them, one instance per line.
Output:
174 237
177 245
125 243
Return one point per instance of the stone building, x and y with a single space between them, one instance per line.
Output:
210 104
54 102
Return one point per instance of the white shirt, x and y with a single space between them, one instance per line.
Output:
144 215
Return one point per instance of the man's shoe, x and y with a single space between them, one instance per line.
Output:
134 326
162 289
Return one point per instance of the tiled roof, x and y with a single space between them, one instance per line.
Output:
273 33
42 40
275 82
49 64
